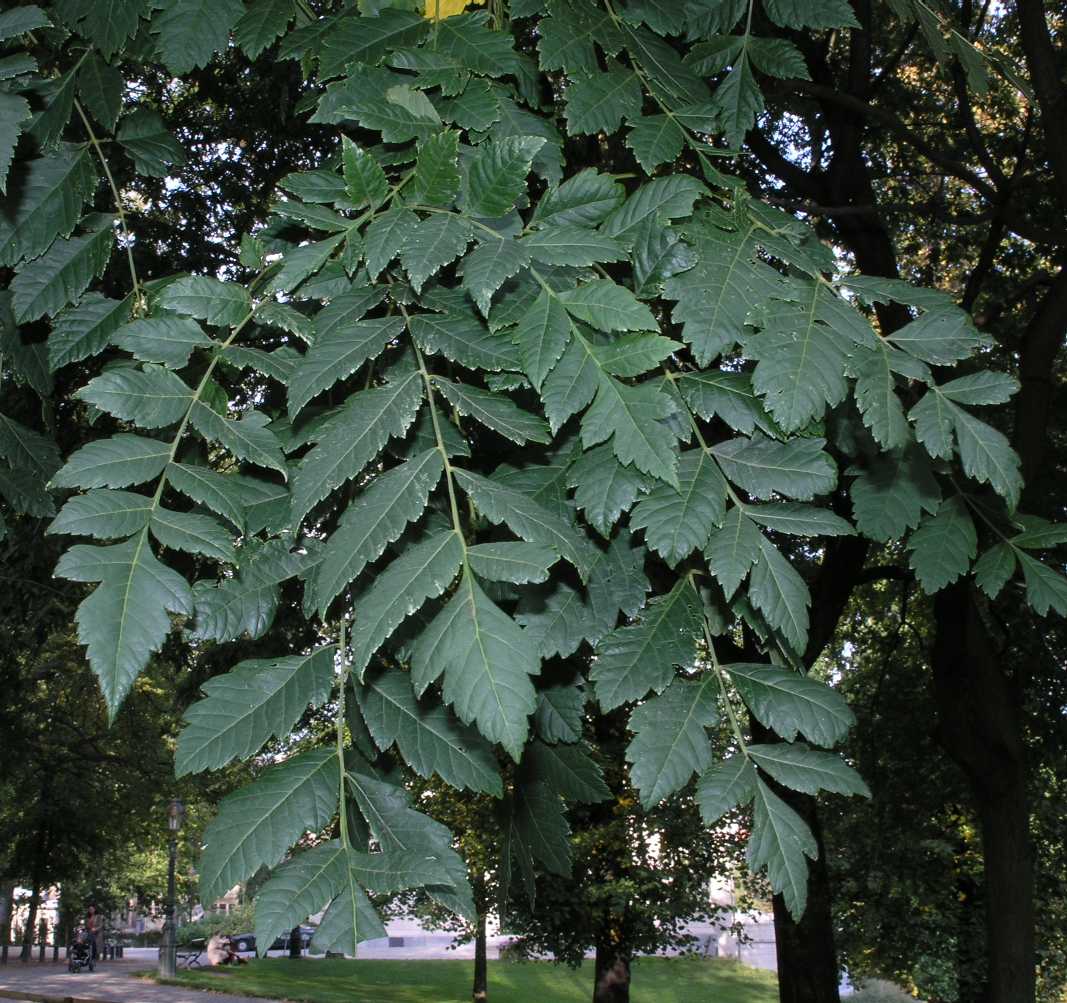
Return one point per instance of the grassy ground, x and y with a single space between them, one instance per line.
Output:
655 980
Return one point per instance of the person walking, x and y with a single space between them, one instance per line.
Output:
95 926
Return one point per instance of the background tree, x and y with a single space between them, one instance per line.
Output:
906 868
637 878
866 152
474 818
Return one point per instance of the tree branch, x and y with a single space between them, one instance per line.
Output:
986 260
970 126
803 182
893 62
1041 342
1043 64
830 95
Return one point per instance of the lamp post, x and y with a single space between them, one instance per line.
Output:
168 948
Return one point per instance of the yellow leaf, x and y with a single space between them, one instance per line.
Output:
440 9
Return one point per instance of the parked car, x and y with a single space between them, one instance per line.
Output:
247 941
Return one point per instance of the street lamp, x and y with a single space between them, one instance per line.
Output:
168 948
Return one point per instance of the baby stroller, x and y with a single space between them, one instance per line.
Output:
81 952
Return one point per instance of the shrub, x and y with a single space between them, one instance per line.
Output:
240 920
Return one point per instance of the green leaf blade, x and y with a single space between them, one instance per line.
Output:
789 703
729 784
808 770
152 397
257 824
429 738
496 178
486 662
258 700
635 659
125 619
373 521
353 438
678 521
670 741
422 572
782 843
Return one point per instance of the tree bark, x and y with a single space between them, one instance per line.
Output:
804 949
612 976
1044 65
296 943
480 988
7 909
480 991
31 924
807 957
980 727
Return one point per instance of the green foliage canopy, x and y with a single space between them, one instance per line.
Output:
449 323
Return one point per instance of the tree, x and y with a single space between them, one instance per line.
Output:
627 882
907 866
638 878
474 819
96 791
890 186
458 309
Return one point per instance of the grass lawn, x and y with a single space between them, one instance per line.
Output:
655 980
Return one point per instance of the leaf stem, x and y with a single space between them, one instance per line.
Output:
735 725
200 387
701 440
979 511
442 449
696 145
339 727
138 297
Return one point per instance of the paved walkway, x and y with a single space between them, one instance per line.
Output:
112 982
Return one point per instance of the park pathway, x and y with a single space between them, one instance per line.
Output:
112 982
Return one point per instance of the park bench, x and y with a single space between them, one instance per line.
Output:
189 955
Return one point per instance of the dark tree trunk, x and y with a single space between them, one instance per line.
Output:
805 950
807 959
981 729
480 989
480 992
31 924
296 943
40 855
612 976
7 909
